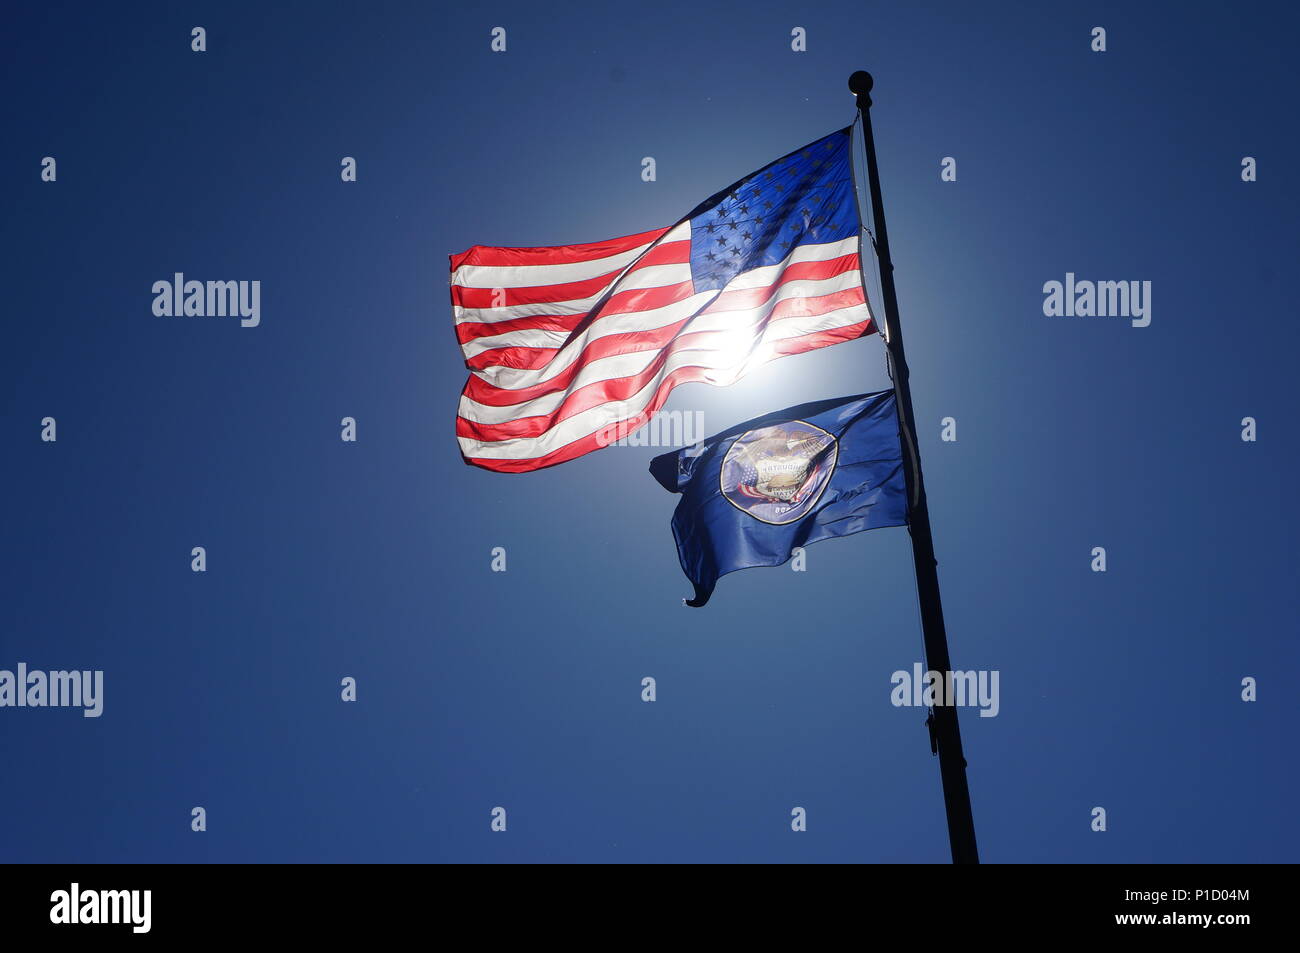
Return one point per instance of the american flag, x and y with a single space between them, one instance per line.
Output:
573 347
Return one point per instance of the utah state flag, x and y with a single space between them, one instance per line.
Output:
790 478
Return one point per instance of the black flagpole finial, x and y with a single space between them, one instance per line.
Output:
860 84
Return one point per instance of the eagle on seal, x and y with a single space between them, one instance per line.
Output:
785 465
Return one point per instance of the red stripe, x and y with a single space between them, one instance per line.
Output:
542 294
493 256
623 388
673 253
467 331
669 253
583 445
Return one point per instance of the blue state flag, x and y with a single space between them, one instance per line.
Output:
790 478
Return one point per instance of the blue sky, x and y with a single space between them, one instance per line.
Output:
522 689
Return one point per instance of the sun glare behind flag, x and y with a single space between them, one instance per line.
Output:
573 347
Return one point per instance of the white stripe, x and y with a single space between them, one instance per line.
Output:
639 277
741 323
758 277
727 367
512 311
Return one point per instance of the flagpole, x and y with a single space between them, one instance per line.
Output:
945 735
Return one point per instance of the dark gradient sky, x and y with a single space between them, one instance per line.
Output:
522 689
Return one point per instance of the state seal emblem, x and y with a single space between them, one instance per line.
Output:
776 474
